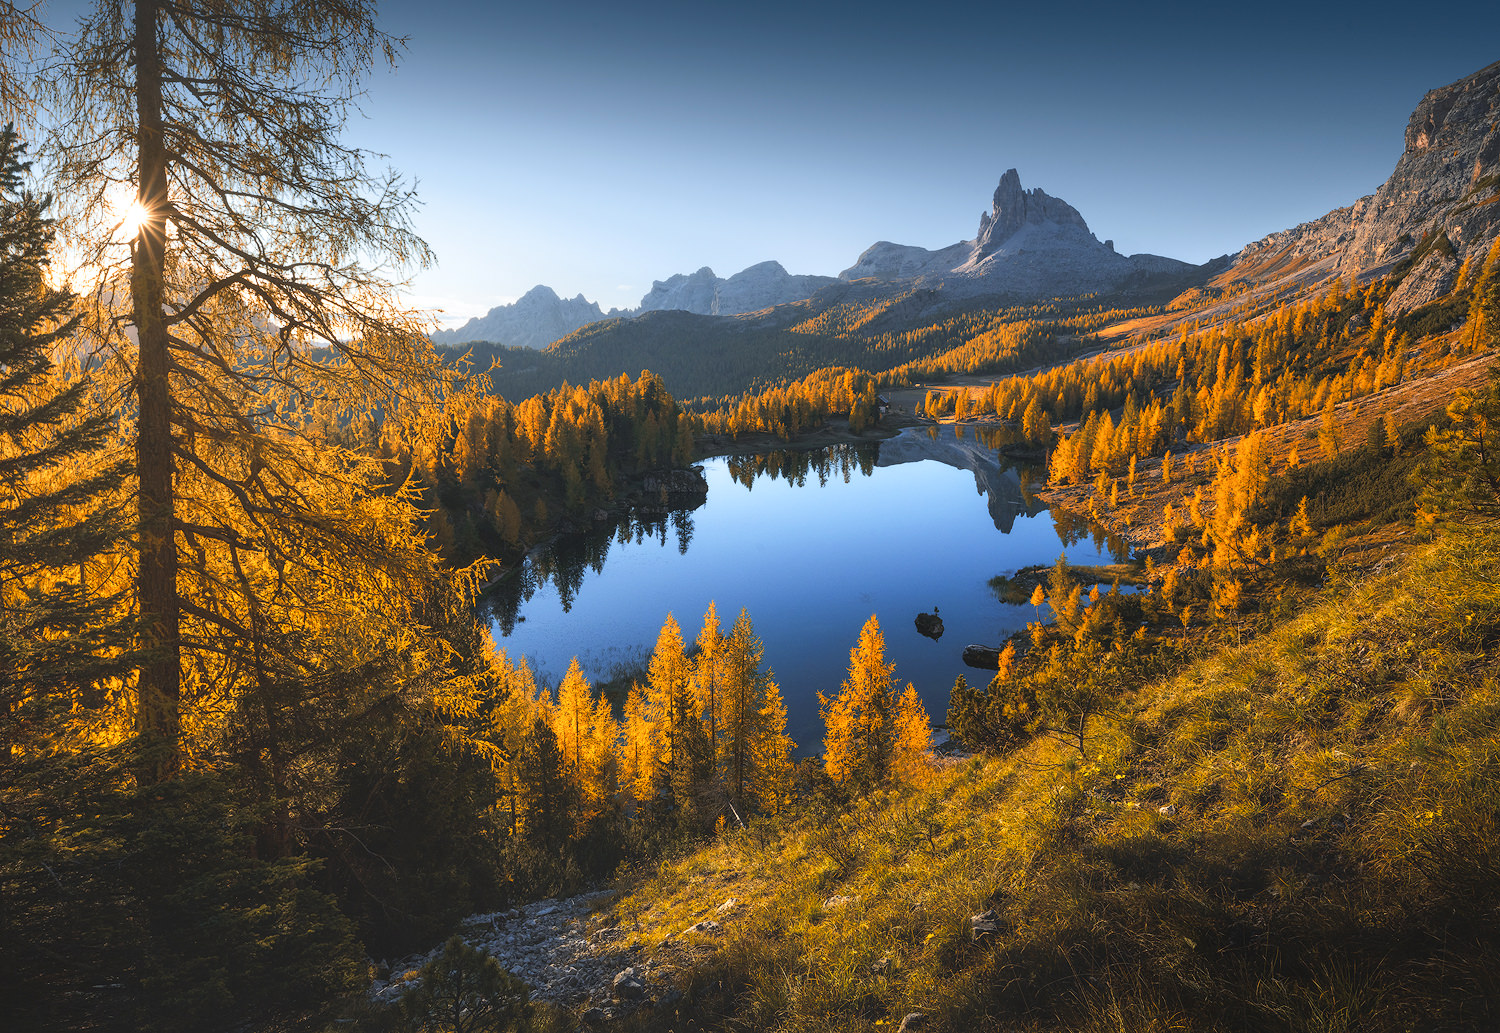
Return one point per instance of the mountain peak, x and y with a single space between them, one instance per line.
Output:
541 292
1029 244
759 286
1014 207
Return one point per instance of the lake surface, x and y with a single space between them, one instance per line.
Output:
811 544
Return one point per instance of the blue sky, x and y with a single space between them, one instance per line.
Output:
596 147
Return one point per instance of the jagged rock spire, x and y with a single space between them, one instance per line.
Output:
1014 207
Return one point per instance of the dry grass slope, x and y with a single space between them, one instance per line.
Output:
1302 833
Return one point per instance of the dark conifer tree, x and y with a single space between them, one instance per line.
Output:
56 637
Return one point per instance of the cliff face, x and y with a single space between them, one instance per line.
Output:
1014 208
1447 182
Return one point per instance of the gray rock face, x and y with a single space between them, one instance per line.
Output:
1014 208
1447 181
535 321
761 286
883 260
1029 245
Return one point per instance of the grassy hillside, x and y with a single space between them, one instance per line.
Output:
1300 833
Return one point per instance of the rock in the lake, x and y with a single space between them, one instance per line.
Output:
930 624
986 658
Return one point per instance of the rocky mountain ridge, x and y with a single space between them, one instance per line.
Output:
761 286
541 317
1029 246
535 320
1437 209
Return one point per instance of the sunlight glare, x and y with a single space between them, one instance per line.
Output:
131 218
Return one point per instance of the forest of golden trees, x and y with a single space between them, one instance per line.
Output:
252 728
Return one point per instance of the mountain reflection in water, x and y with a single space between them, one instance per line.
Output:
811 543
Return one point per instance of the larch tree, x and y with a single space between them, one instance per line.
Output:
708 675
668 699
509 723
911 733
637 748
587 735
685 755
748 728
246 299
859 721
574 719
772 752
20 32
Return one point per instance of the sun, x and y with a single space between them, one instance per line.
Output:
124 212
132 215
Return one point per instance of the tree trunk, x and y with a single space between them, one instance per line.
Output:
157 712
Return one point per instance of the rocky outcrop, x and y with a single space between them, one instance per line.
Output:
1439 207
761 286
535 321
984 658
1029 245
568 952
1014 208
690 292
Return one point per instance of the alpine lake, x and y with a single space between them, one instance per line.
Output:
811 543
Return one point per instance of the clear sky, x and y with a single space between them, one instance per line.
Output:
594 147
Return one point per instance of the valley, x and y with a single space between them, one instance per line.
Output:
1012 634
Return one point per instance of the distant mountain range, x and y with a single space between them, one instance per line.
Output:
541 317
1439 208
1029 246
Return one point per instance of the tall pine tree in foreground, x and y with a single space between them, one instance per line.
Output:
255 265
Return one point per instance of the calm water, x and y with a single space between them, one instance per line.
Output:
811 545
